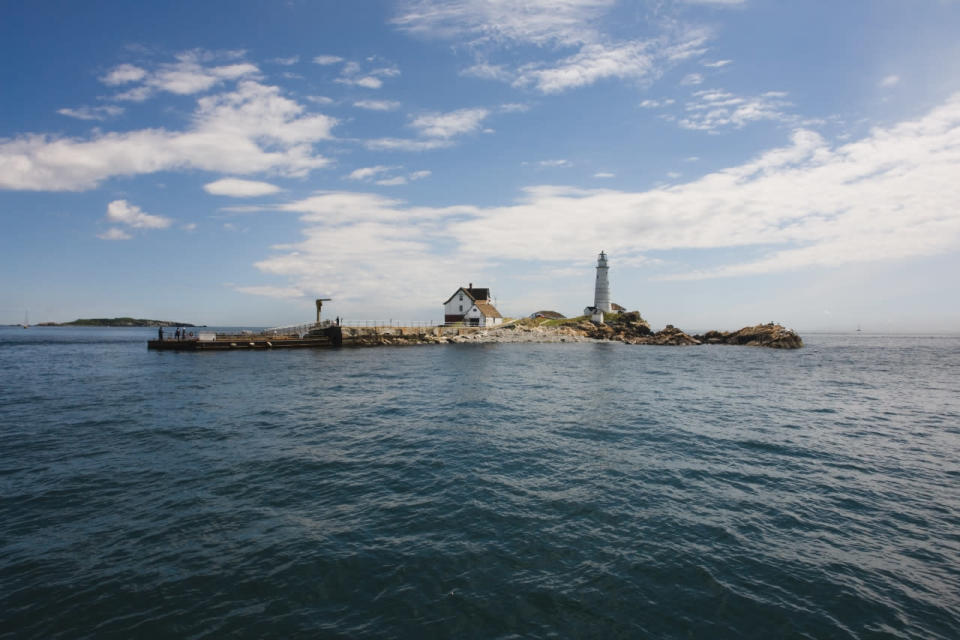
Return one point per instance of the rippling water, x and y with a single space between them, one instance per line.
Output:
573 490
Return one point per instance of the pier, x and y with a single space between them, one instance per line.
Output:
310 336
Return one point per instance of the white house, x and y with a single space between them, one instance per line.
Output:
483 314
464 301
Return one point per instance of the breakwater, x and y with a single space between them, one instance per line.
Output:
626 330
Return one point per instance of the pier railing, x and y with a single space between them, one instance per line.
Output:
297 329
415 324
300 329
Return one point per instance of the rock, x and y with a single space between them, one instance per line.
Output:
769 335
670 335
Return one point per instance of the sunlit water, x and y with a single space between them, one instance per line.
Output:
572 490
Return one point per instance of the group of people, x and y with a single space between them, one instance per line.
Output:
178 335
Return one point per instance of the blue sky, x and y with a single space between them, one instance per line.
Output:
227 162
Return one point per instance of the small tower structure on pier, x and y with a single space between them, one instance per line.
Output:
320 302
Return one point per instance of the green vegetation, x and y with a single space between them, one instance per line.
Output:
608 318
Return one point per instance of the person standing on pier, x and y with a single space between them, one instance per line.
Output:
160 334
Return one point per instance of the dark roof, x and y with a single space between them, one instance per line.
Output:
478 294
475 294
487 309
553 315
616 307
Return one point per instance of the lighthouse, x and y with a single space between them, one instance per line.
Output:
601 290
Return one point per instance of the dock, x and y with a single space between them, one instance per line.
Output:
315 338
321 334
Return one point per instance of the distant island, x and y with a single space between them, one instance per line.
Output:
116 322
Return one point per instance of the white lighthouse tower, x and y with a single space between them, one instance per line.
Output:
601 291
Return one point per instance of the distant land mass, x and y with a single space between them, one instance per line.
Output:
116 322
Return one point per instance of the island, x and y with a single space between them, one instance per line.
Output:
115 322
628 327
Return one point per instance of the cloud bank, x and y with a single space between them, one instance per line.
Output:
891 195
252 129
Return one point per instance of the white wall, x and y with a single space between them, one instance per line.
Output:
475 313
453 308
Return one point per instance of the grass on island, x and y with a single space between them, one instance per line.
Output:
608 318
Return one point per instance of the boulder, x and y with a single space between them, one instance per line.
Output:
770 335
670 335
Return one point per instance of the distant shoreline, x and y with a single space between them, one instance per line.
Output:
115 322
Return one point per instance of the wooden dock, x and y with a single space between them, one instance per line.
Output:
318 339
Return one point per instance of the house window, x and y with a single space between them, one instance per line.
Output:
461 308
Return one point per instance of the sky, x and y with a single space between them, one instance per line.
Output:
225 163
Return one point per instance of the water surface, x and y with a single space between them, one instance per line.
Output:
578 490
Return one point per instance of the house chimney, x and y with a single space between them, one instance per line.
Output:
470 286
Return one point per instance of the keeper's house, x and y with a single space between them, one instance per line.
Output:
471 306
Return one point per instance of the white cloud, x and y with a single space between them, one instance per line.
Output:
327 60
377 105
385 72
555 163
352 74
114 233
92 113
188 75
420 175
406 144
392 182
592 63
716 64
604 174
889 196
286 62
186 78
122 74
320 99
345 207
365 173
449 124
890 81
237 188
368 82
122 212
189 227
549 25
252 129
692 79
137 94
538 22
655 104
712 110
489 72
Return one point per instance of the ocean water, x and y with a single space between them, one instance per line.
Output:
479 491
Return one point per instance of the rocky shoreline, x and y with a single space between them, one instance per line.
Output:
629 328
